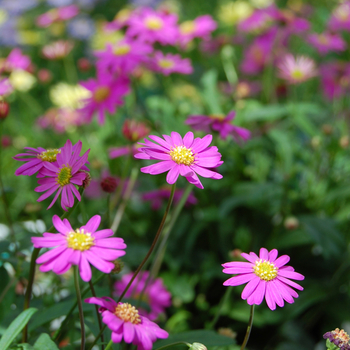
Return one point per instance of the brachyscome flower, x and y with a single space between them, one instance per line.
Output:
181 156
155 294
57 50
125 322
169 63
267 277
326 42
57 15
63 175
82 247
339 338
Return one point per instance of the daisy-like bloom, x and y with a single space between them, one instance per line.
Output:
155 294
16 60
5 87
125 322
267 276
82 247
181 156
21 80
339 338
296 69
219 123
134 130
57 50
340 19
259 21
123 56
63 175
106 93
169 63
326 42
201 27
151 26
57 15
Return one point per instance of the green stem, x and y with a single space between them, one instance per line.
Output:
98 336
35 254
97 313
80 307
69 67
222 303
249 328
109 345
160 229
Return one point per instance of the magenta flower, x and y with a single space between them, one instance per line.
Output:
57 15
260 20
107 92
181 156
63 175
150 26
267 277
16 60
169 63
125 322
123 56
155 294
326 42
340 19
82 247
5 87
218 123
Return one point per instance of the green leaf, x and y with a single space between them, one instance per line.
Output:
206 337
25 346
44 342
258 112
210 92
15 327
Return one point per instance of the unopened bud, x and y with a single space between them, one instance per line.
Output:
235 253
344 141
6 141
86 181
327 129
197 346
84 64
291 223
118 266
44 76
134 130
227 332
4 109
109 184
315 141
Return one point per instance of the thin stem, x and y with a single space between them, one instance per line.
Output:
69 67
97 337
109 345
80 307
97 313
153 243
249 328
222 303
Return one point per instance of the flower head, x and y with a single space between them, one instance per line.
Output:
125 322
297 69
339 338
82 247
63 175
169 63
267 277
57 15
181 156
57 50
134 130
155 294
219 123
326 42
340 19
16 60
5 87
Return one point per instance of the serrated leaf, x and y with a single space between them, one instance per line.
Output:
44 342
16 327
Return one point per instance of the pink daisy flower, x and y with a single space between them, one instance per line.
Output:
218 123
150 26
125 322
82 247
296 69
16 60
5 87
155 295
57 15
107 92
340 19
267 277
123 56
260 20
134 130
169 63
181 156
63 175
326 42
57 50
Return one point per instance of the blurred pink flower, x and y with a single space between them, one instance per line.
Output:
134 130
155 294
219 123
16 60
125 322
267 277
57 15
169 63
181 156
340 19
326 42
57 50
260 20
5 87
82 247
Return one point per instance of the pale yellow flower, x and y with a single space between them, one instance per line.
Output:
65 95
21 80
261 3
103 37
234 12
3 16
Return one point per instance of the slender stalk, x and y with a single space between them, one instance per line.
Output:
35 255
97 313
222 303
109 345
80 307
153 243
249 328
97 337
71 72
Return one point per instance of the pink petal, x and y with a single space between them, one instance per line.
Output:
250 287
173 174
238 280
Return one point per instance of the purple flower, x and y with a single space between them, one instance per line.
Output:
218 123
63 175
125 322
339 338
155 294
57 15
169 63
260 20
326 42
267 277
340 19
81 27
5 87
16 60
181 156
82 247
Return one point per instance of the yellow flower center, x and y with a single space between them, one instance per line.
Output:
182 155
49 155
127 313
217 116
187 27
266 270
323 39
154 23
297 74
80 240
164 63
122 50
64 176
101 93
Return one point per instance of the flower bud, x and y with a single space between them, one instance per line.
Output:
4 109
118 266
109 184
84 64
44 75
344 141
327 129
197 346
291 223
134 130
227 332
86 181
